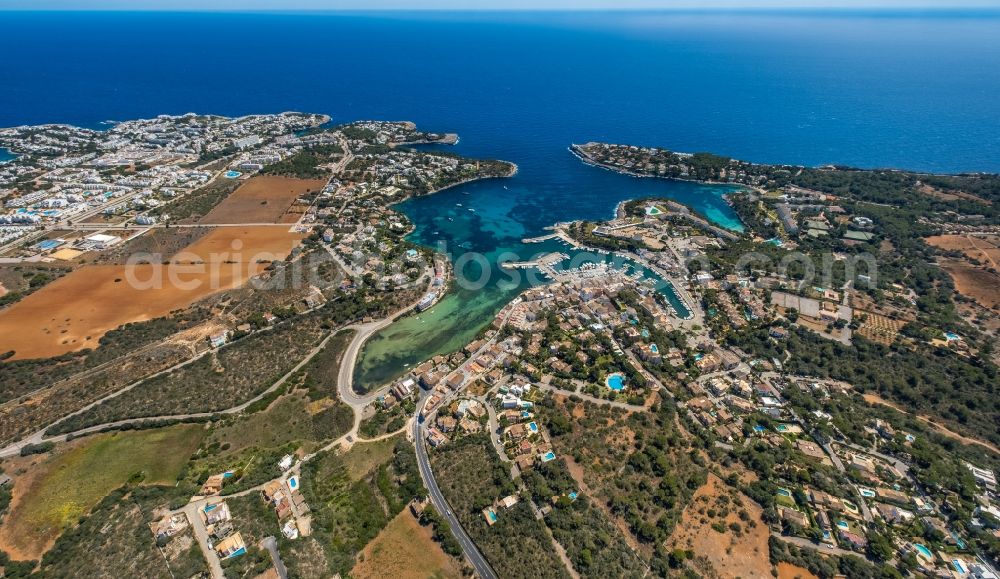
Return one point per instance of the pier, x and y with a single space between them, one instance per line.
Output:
547 260
540 238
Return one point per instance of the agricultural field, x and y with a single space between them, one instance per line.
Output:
54 493
472 477
879 328
405 550
263 199
47 323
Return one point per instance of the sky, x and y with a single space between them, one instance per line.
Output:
285 5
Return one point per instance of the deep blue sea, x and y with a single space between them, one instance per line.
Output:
886 89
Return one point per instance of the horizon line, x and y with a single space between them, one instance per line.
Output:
914 9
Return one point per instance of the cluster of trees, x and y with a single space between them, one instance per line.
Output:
827 567
472 477
305 164
961 390
594 545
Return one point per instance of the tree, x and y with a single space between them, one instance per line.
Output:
879 547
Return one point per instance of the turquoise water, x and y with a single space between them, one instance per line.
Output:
547 189
6 155
549 456
616 382
923 550
784 492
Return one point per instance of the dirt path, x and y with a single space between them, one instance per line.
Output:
986 254
876 399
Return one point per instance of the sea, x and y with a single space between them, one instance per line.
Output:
897 89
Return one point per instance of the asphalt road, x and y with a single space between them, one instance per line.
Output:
479 562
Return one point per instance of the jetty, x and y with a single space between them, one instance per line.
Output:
540 238
546 260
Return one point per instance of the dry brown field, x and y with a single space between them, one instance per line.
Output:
789 571
981 285
405 550
984 249
262 200
74 311
746 555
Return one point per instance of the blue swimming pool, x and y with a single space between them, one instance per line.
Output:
548 456
233 174
616 382
923 551
784 492
654 349
843 525
533 426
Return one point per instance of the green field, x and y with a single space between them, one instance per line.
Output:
70 483
364 456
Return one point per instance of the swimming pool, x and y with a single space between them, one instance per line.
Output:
233 174
784 492
867 493
843 525
533 426
924 551
548 456
781 428
293 483
491 515
654 349
572 496
616 382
